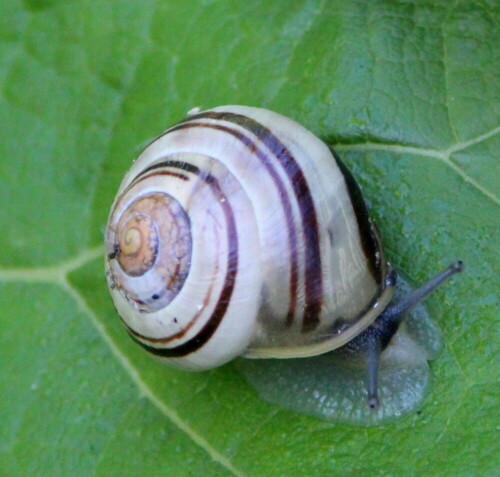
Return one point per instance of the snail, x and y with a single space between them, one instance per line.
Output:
237 232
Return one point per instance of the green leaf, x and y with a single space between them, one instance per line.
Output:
409 95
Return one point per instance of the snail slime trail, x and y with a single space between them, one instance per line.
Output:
238 233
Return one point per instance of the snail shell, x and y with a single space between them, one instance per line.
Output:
239 232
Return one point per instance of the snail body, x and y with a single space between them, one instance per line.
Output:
237 232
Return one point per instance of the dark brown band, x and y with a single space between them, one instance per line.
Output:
215 319
366 226
313 281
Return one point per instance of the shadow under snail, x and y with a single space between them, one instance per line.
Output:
237 232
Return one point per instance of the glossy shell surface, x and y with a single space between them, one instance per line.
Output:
239 232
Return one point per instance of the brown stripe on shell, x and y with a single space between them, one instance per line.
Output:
313 270
179 334
366 227
215 319
287 207
140 177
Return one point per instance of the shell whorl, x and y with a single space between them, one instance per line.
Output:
261 237
182 204
153 234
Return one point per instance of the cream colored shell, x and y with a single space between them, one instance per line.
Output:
237 232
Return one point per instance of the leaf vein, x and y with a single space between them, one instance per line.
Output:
444 156
143 387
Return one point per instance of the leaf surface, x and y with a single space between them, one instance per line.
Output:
409 95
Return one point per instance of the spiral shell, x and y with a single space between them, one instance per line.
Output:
239 232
